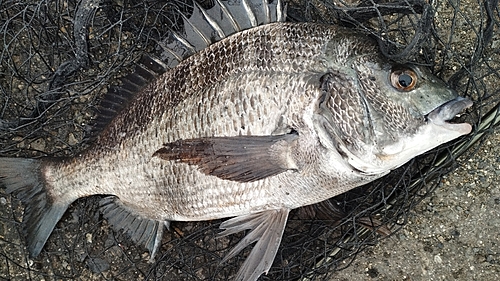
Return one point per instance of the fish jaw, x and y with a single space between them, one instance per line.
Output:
447 111
434 132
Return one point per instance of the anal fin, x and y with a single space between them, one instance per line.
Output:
267 230
141 230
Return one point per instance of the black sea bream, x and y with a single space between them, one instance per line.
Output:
265 120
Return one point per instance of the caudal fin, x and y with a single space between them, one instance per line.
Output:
23 178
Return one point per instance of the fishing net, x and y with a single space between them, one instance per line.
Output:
59 57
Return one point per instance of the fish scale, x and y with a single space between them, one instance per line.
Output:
263 121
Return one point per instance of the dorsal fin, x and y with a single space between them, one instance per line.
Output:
201 28
146 70
207 26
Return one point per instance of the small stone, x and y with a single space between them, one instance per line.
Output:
38 144
72 140
88 237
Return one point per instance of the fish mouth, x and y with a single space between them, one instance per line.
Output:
449 110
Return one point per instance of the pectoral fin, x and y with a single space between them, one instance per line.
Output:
267 229
239 158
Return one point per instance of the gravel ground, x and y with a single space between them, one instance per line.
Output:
452 235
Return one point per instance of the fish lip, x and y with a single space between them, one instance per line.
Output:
447 111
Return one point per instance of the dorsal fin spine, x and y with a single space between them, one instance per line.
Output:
152 65
250 13
224 9
281 12
213 23
266 12
196 30
170 51
184 42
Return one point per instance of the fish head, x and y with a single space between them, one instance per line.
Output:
378 114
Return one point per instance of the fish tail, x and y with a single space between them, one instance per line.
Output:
24 179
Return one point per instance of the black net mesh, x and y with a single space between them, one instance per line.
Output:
59 57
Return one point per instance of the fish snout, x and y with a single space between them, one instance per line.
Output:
449 110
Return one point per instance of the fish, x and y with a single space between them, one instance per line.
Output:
244 117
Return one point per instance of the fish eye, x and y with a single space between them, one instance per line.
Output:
403 79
